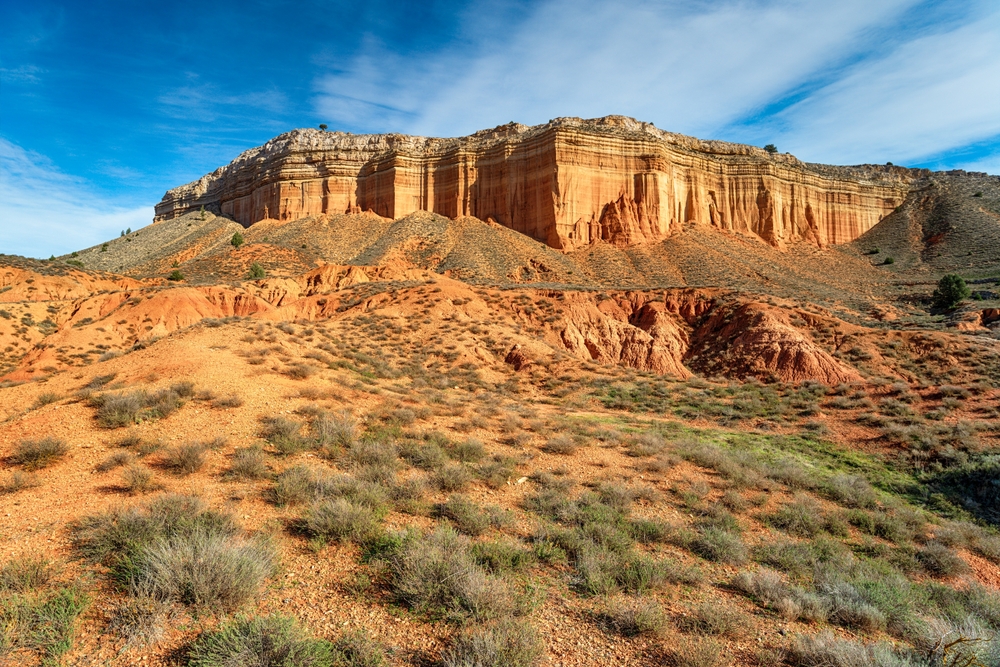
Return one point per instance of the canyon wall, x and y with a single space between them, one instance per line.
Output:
567 183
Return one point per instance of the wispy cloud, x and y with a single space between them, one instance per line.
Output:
44 211
207 102
23 74
689 67
842 82
933 93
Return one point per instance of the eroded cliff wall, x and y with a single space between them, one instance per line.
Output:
568 183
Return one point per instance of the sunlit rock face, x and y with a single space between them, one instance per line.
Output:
568 183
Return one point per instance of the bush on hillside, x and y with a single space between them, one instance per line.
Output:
951 290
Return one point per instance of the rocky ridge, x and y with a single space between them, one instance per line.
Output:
568 183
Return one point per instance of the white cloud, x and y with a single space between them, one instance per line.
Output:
933 93
46 212
688 67
874 87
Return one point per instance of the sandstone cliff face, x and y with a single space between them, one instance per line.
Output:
568 183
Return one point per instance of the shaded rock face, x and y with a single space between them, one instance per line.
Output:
568 183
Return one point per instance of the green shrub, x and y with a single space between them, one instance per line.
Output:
256 271
469 518
802 518
505 643
469 451
940 560
176 275
267 640
720 545
950 292
850 491
237 240
284 434
500 556
452 477
38 454
357 649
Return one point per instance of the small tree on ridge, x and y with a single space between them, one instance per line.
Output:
950 292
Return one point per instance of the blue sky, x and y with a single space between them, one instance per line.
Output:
106 105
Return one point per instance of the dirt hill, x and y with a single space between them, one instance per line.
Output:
434 441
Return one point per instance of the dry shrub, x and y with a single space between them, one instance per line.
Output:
38 454
202 568
505 643
21 575
634 617
185 459
561 444
116 460
697 652
436 574
248 463
137 479
341 520
139 621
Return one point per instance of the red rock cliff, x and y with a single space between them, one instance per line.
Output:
568 183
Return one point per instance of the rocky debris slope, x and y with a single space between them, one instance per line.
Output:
669 332
568 183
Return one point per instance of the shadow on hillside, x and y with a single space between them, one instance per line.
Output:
974 486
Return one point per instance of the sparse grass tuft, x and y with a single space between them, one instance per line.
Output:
116 460
121 409
24 574
697 652
712 619
266 640
18 481
44 622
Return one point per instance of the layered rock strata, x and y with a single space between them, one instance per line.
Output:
567 183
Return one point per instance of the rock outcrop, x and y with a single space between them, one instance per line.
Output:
567 183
